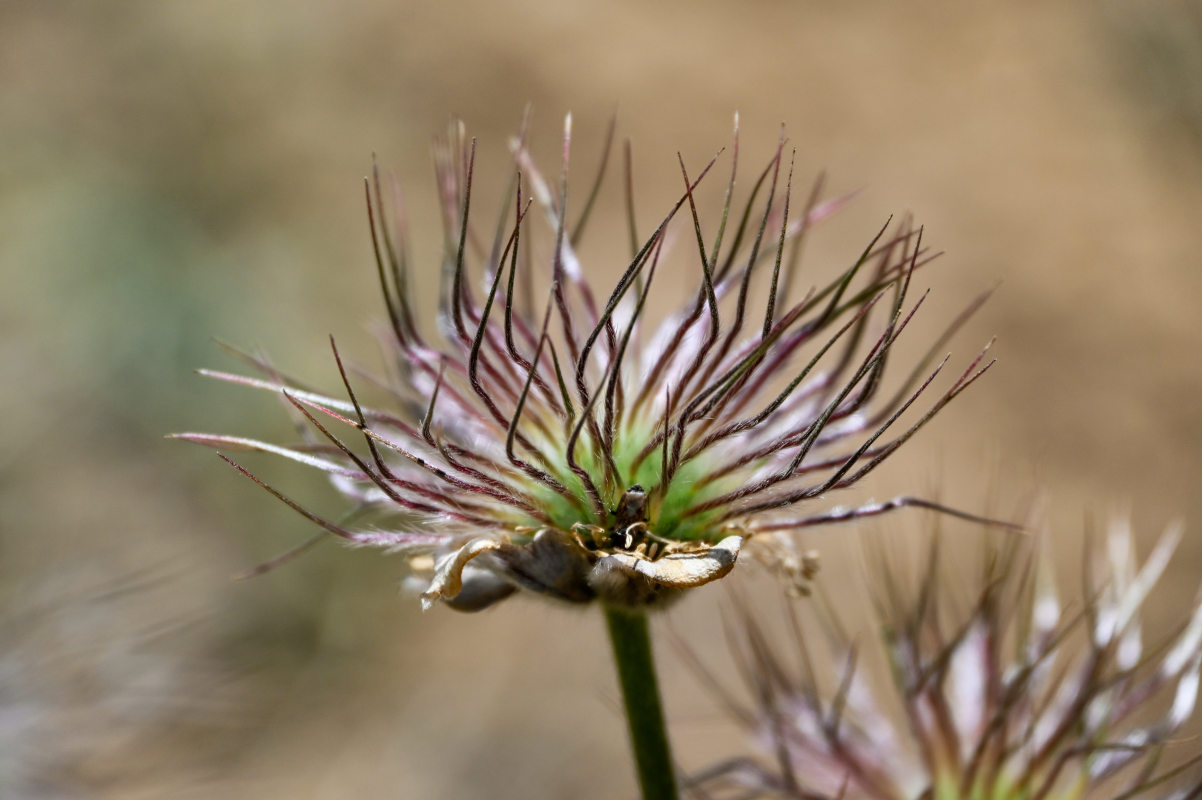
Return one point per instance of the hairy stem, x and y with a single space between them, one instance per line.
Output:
631 642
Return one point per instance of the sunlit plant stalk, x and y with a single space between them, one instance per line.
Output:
635 660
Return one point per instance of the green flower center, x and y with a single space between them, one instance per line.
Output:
671 510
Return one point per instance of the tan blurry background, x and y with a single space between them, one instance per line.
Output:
172 172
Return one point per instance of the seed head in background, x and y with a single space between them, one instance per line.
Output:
547 441
1016 694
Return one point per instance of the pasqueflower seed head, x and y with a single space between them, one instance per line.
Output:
545 441
1014 695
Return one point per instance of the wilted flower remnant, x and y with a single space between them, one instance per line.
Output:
543 444
1019 695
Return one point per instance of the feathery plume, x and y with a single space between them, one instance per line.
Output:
542 442
1014 695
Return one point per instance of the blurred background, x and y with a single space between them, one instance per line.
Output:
174 172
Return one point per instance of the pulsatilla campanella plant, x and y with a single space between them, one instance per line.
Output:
1016 694
550 440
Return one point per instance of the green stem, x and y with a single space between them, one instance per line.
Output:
635 660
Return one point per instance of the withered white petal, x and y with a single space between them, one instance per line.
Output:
684 570
448 575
